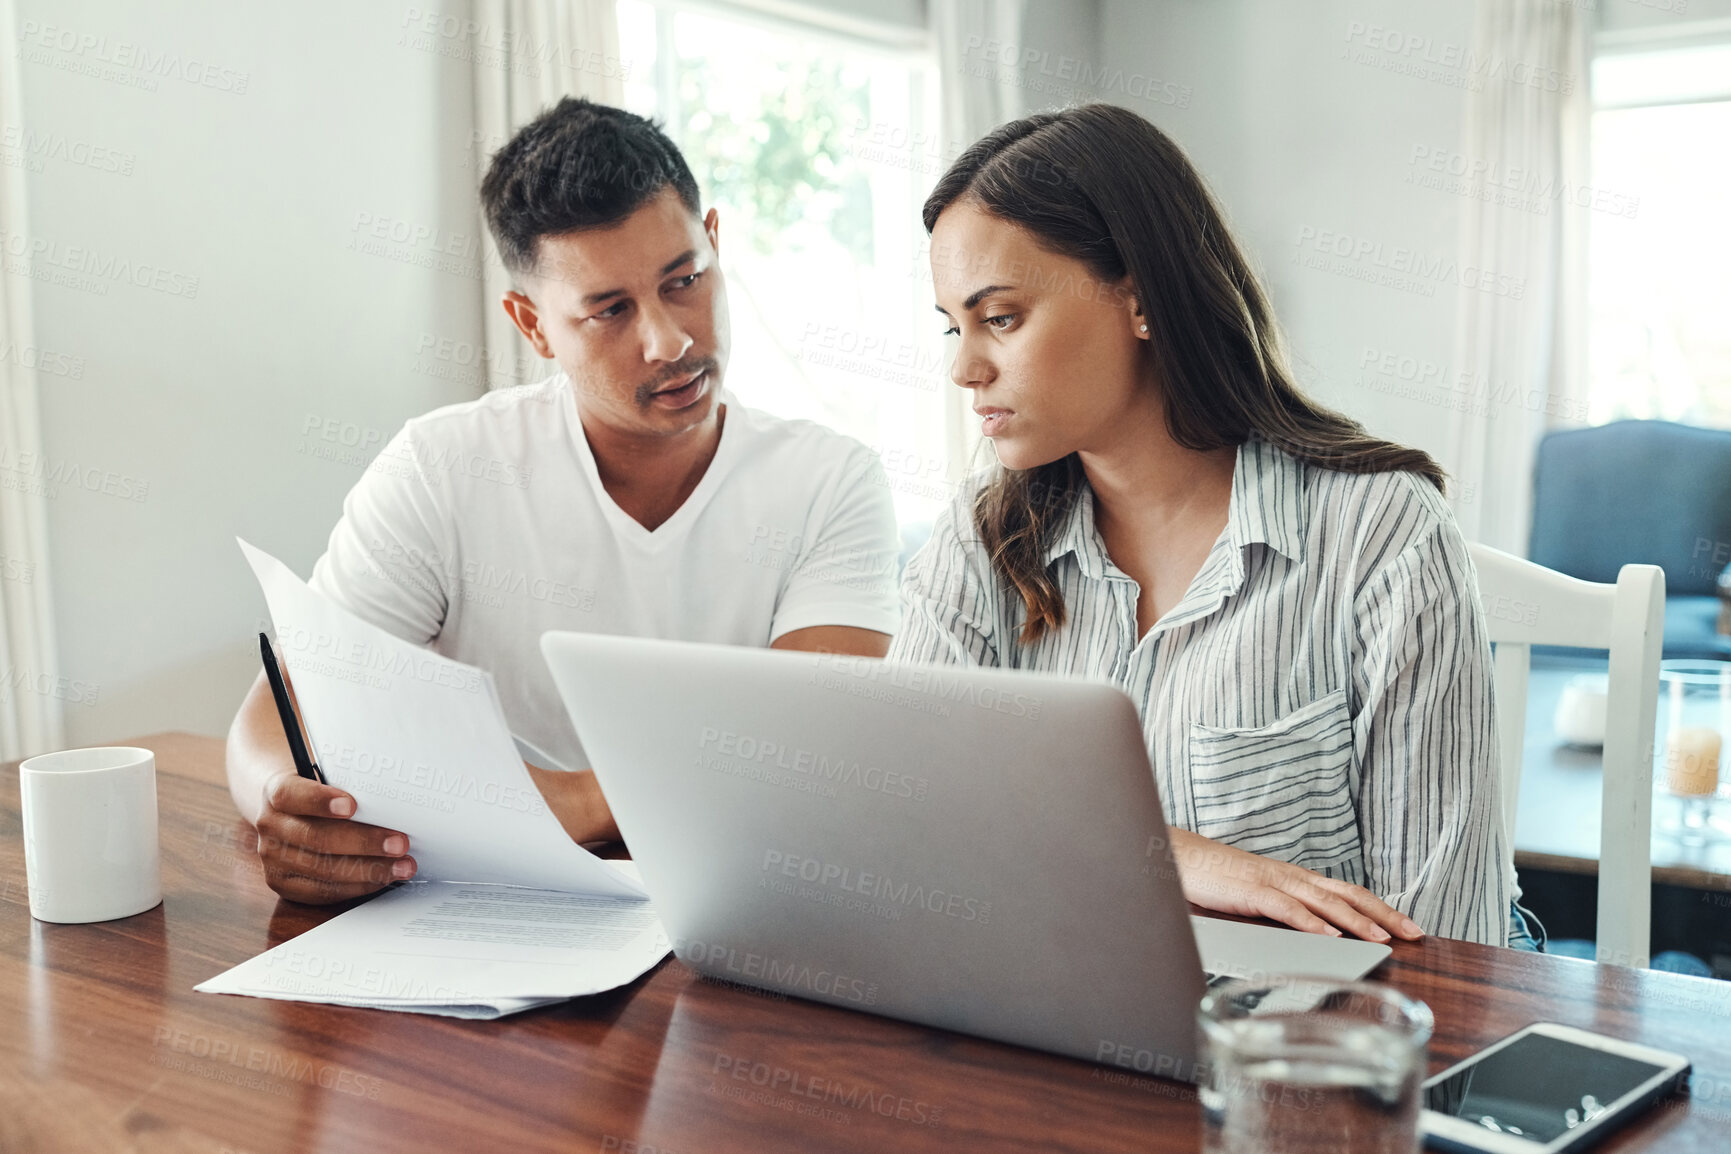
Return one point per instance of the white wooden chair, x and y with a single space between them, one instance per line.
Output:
1526 605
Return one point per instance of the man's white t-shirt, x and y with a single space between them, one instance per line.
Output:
482 525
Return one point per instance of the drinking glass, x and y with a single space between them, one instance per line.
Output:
1694 717
1297 1064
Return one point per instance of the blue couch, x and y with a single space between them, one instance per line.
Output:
1641 491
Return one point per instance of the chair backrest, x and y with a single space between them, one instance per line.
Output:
1526 605
1634 492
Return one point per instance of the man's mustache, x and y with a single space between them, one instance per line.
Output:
683 370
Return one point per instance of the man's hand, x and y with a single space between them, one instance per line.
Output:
1231 881
313 853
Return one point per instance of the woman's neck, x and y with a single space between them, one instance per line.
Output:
1159 509
1145 479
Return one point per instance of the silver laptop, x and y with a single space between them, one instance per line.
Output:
975 849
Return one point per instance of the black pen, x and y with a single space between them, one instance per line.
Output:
291 727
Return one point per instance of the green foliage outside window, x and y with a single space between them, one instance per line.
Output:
784 163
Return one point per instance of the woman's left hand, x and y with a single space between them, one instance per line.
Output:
1232 881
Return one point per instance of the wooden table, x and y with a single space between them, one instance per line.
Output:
105 1046
1557 815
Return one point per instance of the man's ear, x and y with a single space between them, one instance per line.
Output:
523 314
712 229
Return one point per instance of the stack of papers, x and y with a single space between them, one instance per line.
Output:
464 951
508 912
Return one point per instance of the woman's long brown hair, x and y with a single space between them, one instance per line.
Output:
1104 186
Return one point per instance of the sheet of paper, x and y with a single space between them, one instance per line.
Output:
536 756
421 742
475 951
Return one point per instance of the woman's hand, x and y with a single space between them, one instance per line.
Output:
1231 881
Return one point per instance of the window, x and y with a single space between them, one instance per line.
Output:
1659 345
817 153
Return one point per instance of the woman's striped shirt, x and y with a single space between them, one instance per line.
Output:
1320 695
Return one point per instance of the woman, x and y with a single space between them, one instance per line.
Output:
1287 599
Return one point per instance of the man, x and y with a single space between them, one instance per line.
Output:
627 494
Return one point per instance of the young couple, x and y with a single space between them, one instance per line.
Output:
1286 598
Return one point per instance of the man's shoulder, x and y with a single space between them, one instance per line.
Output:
501 412
783 442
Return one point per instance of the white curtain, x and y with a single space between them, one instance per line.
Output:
1530 351
551 49
974 98
30 720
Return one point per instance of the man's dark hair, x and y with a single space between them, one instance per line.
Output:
578 165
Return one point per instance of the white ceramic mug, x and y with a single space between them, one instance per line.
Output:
90 851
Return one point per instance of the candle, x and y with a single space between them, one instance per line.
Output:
1692 760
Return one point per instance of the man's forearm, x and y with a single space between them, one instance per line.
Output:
835 639
576 800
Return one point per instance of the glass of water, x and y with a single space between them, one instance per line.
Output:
1311 1064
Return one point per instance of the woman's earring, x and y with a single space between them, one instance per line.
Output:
1144 328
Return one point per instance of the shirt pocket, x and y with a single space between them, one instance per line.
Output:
1283 790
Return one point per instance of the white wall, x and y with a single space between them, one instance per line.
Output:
1053 30
1622 15
1293 134
253 186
